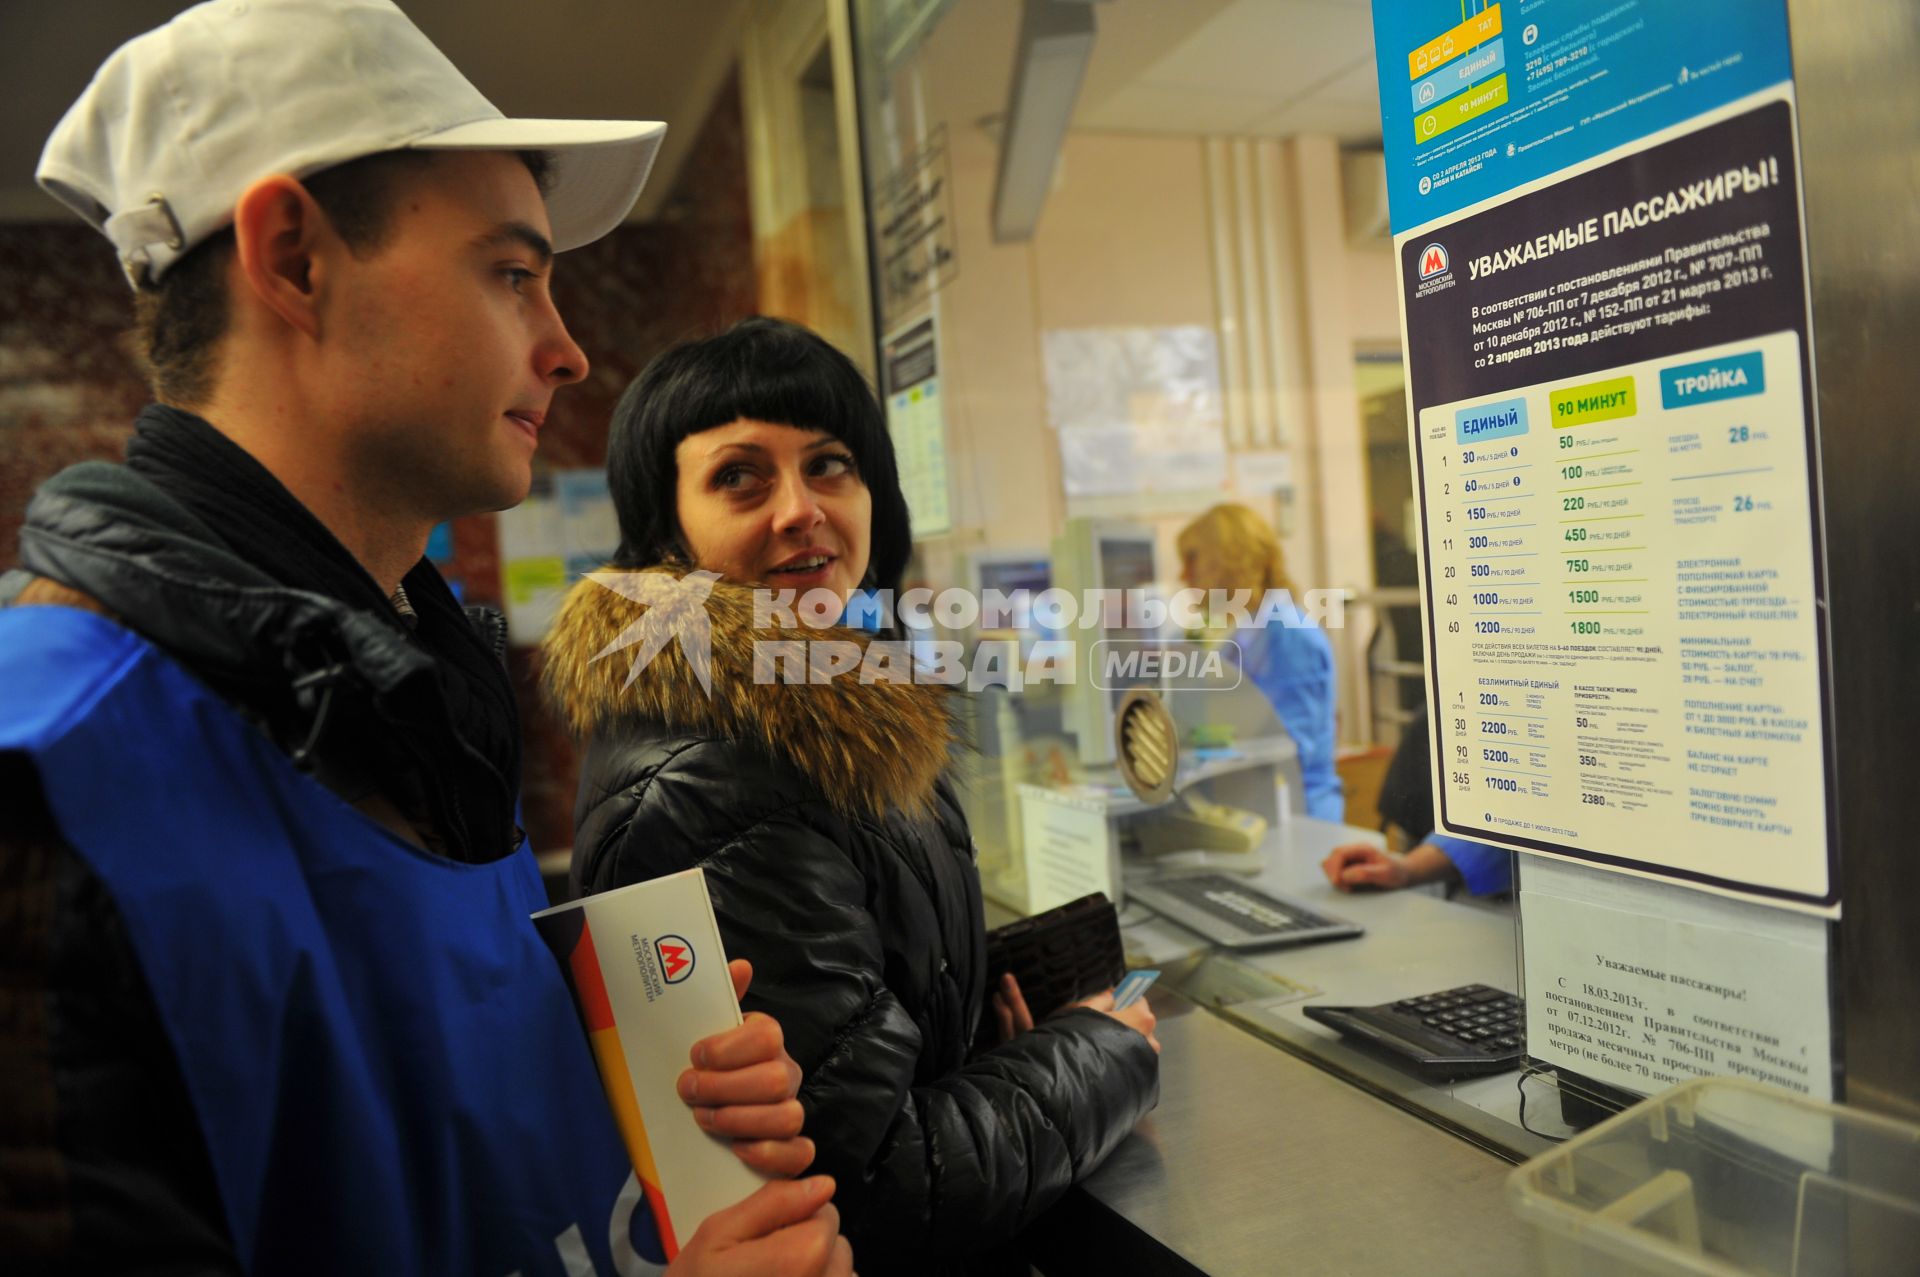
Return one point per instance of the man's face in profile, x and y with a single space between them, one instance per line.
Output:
444 346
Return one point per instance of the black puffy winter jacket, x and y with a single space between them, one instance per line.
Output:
840 865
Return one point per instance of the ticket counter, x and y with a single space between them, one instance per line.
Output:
1274 1138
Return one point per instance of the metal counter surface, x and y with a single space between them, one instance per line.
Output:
1257 1161
1415 942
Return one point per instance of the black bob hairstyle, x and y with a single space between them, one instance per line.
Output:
763 370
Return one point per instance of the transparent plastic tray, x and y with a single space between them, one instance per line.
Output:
1728 1177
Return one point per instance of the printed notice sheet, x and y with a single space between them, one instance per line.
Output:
1069 847
1642 987
1612 410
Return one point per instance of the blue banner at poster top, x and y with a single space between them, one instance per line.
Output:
1478 98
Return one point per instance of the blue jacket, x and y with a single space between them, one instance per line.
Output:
1485 870
1293 665
272 1032
385 1064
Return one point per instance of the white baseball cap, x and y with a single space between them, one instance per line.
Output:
180 121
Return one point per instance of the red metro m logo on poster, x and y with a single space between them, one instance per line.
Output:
1432 268
676 958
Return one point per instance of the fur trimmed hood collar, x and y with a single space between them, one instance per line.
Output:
869 746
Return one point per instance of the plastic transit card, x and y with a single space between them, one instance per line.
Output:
1132 988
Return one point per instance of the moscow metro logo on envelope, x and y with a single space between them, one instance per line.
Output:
676 958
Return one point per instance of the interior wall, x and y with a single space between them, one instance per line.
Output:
1123 241
801 170
1862 204
1373 301
69 387
1126 240
1335 441
1124 244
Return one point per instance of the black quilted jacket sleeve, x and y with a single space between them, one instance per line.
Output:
935 1154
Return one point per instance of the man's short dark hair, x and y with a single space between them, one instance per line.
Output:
179 322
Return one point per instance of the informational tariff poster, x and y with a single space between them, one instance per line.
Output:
1612 421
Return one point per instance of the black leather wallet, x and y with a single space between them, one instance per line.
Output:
1070 952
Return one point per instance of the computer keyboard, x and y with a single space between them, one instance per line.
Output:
1228 911
1463 1032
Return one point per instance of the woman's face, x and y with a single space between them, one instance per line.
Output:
774 504
1199 570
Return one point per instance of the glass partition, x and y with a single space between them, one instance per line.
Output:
1124 255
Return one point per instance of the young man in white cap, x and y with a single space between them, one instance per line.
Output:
271 999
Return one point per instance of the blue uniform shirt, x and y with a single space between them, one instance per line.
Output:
1485 870
1293 665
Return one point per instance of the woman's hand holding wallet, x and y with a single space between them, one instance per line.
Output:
1010 1010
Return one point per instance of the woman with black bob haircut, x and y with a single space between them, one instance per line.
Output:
838 859
762 370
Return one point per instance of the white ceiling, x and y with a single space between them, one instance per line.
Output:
1258 67
594 59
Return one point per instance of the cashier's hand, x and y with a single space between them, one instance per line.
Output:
788 1228
1139 1017
742 1086
1360 864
